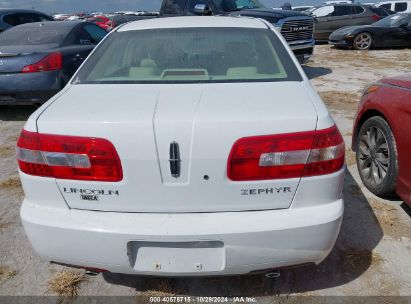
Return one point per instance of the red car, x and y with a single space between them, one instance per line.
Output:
382 137
102 21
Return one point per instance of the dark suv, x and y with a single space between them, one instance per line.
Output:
329 18
13 17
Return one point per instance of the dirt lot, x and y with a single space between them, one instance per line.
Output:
372 255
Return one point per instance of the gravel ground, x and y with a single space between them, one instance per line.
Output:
371 256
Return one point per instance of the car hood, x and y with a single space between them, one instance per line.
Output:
401 81
271 15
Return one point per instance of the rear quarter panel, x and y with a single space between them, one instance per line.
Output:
363 18
397 103
394 104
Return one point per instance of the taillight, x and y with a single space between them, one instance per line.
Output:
375 17
287 155
68 157
51 62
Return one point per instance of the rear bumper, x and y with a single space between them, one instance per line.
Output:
30 88
132 243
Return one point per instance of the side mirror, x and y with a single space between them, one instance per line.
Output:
201 9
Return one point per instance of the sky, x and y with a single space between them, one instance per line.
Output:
73 6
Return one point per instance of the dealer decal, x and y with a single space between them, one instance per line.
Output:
91 194
89 197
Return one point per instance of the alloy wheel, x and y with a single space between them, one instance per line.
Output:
374 156
363 41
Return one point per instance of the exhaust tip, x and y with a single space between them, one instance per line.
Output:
92 273
273 274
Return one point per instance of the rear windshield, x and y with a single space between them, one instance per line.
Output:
189 55
235 5
31 36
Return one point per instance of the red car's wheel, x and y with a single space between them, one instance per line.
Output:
377 157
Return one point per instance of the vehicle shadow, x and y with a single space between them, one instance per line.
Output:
16 113
351 256
406 208
315 72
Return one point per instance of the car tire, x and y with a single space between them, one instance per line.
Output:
377 157
363 41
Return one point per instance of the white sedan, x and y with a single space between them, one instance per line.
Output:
184 147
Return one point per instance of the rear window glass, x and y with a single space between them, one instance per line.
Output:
387 5
190 55
400 7
22 18
31 36
174 6
323 11
343 10
358 9
96 33
380 11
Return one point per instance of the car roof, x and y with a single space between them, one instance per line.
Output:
16 10
52 24
348 4
195 21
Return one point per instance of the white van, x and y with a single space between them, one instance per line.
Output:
396 6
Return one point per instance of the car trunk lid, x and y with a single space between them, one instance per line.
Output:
150 125
14 58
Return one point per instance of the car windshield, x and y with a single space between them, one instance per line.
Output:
236 5
31 36
393 20
188 55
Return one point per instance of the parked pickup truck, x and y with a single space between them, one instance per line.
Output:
297 28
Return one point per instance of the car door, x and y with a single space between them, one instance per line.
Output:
400 109
399 34
407 41
402 34
323 20
342 16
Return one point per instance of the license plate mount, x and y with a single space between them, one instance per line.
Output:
177 257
